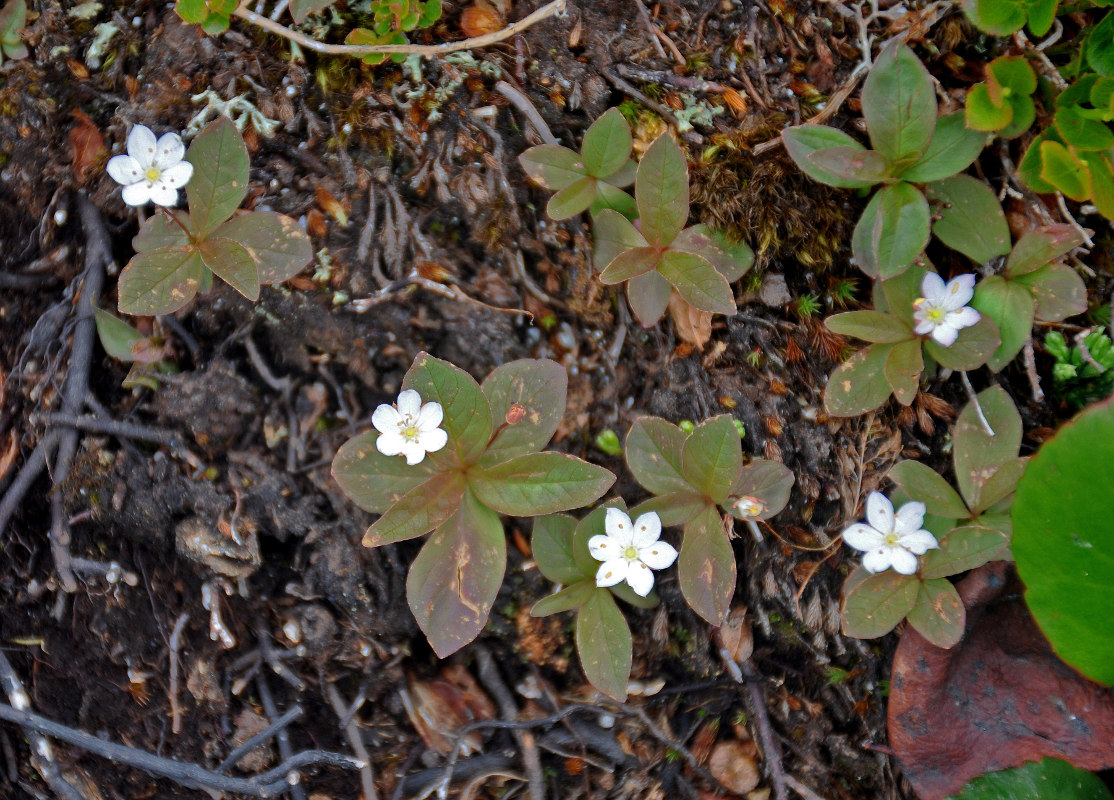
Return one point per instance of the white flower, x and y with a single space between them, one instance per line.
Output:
152 170
629 552
750 507
889 539
942 311
409 427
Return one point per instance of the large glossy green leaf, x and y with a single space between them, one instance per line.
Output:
1063 541
706 567
603 642
467 414
859 384
540 483
662 191
803 140
552 166
456 576
698 282
220 176
648 296
892 231
160 281
964 548
568 599
1010 305
653 453
278 245
1036 249
954 147
1048 779
870 326
1058 291
971 350
899 103
712 457
924 484
606 144
731 259
766 481
977 454
938 613
372 480
418 511
231 261
969 218
903 369
872 605
539 386
612 234
551 544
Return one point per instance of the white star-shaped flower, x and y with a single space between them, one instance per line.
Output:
941 312
750 507
153 170
889 539
409 427
630 551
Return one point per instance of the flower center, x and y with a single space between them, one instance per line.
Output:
152 173
891 539
936 314
408 427
630 553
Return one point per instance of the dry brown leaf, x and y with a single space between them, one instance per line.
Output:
693 325
735 635
732 765
480 19
8 456
87 146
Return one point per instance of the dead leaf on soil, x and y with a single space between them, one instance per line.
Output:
693 325
999 698
440 707
480 19
732 764
9 453
736 637
87 147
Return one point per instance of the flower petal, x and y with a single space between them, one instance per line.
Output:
602 547
413 451
877 560
640 578
169 150
880 512
124 170
919 542
647 529
909 518
618 526
658 555
386 418
409 403
945 333
933 289
430 416
964 317
960 290
612 572
903 561
861 537
177 175
136 194
924 327
433 440
163 195
142 145
390 443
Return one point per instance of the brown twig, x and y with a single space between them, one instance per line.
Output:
1030 363
662 110
658 36
355 741
493 682
297 791
683 82
520 101
770 750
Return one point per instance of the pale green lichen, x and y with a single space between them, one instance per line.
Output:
238 109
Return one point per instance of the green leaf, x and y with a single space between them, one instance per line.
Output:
1001 485
981 112
624 177
924 484
231 262
630 264
591 525
1058 290
903 369
570 598
300 9
277 244
899 103
1060 168
706 567
977 454
1099 47
220 176
540 483
1063 541
870 326
373 481
997 17
1036 249
603 641
662 191
1048 779
969 218
540 387
551 544
859 384
803 140
159 232
892 231
698 282
625 593
1010 305
1030 167
575 198
766 481
712 457
731 259
851 164
117 336
1081 132
1102 181
552 166
897 295
964 548
418 511
160 281
971 350
873 604
467 415
613 234
456 576
607 144
938 614
13 16
1042 13
653 450
954 147
648 296
610 197
675 508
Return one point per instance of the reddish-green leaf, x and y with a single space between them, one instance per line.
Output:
870 326
278 245
552 166
603 642
873 604
971 350
712 457
859 384
552 546
851 164
675 508
983 114
1001 484
467 415
613 234
610 197
903 369
220 176
892 231
803 140
706 567
1010 305
540 483
648 296
698 282
117 337
630 264
924 484
954 147
964 548
1036 249
1102 181
159 231
418 511
568 599
372 480
456 576
731 259
1058 290
539 386
653 453
231 262
938 614
607 144
575 198
160 281
662 191
766 481
969 218
977 454
899 103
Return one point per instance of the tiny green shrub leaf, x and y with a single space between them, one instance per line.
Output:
607 144
892 231
870 326
1060 168
698 282
372 480
220 176
899 103
938 613
653 451
117 337
977 454
570 598
1099 48
964 548
997 17
540 386
873 604
662 191
418 511
1080 131
160 281
300 9
278 246
954 147
1036 249
540 483
13 16
925 484
604 643
981 112
552 166
712 457
859 384
467 414
1010 305
969 218
706 567
1048 779
231 262
552 546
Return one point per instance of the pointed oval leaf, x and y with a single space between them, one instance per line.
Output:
899 103
1058 291
938 614
706 567
453 582
731 259
653 450
160 231
954 147
767 481
872 605
803 140
611 197
1011 307
1036 249
964 548
418 511
698 282
1001 485
969 218
630 264
220 176
971 350
604 644
540 483
160 281
551 545
1048 779
279 246
925 485
568 599
624 177
607 144
540 387
712 457
231 262
903 369
575 198
1081 132
892 231
675 508
859 384
977 454
467 415
851 164
117 337
648 296
552 166
870 326
613 234
372 480
1061 168
662 191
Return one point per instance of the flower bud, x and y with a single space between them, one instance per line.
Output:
750 507
515 413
